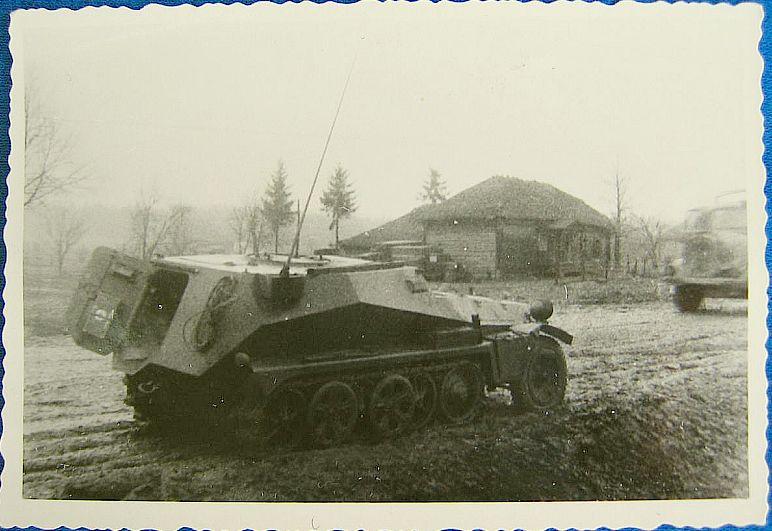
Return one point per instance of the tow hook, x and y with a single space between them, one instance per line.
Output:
148 387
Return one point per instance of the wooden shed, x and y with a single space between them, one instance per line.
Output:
407 228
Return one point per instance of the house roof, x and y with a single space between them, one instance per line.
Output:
510 198
495 198
407 227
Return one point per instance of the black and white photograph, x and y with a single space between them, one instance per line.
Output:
386 253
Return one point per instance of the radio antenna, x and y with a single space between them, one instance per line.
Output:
296 240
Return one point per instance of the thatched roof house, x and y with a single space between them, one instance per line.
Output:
508 198
506 227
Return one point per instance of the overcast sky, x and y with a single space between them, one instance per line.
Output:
200 104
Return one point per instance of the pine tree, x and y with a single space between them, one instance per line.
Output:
434 188
338 199
277 204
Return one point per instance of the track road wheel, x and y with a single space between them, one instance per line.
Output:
542 385
333 414
392 407
426 399
285 416
461 392
688 298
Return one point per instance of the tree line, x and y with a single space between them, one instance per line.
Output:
259 218
50 173
256 224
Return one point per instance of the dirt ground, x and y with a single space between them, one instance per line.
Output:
656 408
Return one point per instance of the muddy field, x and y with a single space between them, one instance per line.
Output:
656 408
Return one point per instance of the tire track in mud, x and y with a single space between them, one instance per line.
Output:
632 369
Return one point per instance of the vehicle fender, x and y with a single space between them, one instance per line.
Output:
512 349
557 333
546 329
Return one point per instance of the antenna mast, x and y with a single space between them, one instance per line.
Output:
296 240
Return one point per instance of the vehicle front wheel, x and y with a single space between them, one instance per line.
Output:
542 384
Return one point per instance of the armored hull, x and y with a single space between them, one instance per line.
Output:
313 351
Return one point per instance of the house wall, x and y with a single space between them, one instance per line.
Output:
471 244
582 251
522 250
512 250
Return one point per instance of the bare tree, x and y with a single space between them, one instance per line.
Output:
151 224
619 190
179 240
65 228
246 224
238 221
48 160
256 223
653 232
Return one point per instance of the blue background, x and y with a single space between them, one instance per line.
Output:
765 47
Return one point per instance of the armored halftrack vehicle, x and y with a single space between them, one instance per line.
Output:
714 254
315 349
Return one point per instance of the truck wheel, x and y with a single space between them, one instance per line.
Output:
542 385
688 298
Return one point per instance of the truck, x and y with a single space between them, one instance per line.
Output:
714 254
